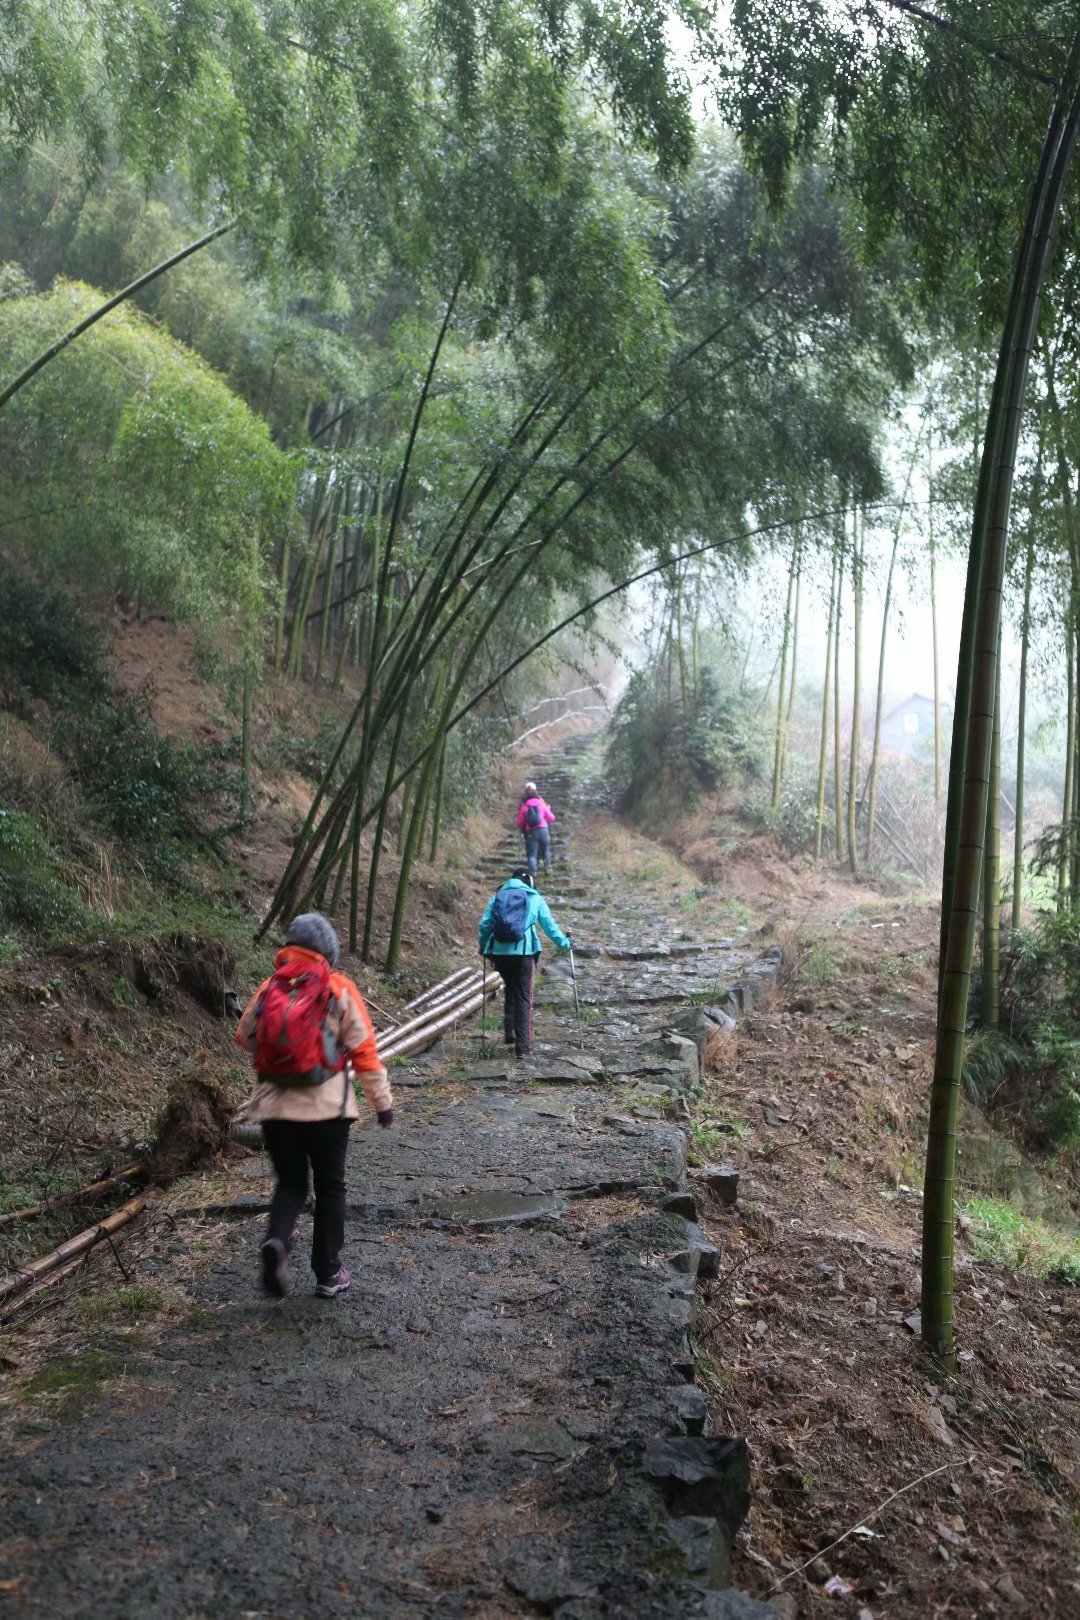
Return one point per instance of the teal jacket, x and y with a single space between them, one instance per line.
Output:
530 945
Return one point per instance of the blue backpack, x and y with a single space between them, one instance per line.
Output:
534 816
510 916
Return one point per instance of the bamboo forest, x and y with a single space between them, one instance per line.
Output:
540 752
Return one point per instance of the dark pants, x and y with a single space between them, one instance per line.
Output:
538 848
516 973
292 1144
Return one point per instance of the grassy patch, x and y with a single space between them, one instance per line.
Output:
646 871
714 995
124 993
34 1187
817 965
74 1382
998 1231
711 1139
126 1303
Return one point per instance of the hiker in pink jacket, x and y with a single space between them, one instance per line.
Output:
534 817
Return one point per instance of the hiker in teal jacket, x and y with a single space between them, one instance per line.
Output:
515 959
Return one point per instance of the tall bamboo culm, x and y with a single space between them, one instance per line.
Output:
875 752
793 679
976 682
934 636
781 697
1070 761
823 751
838 762
858 542
991 956
1021 740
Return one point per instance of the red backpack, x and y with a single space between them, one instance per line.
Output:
293 1042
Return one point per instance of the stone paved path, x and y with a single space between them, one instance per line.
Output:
494 1421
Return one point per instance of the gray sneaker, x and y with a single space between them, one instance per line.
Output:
275 1268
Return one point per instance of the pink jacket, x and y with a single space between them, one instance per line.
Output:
336 1097
545 809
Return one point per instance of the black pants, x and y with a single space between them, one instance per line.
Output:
292 1144
516 973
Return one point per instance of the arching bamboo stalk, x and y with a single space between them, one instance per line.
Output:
61 343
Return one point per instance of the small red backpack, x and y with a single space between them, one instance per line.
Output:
293 1042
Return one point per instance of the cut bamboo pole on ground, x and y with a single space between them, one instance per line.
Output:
81 1195
35 1291
37 1269
437 989
436 1008
431 1031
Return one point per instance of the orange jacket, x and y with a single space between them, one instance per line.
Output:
335 1098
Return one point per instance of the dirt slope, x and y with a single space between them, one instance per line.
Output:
821 1104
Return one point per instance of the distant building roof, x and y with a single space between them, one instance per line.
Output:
915 697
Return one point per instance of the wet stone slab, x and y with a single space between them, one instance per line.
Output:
494 1209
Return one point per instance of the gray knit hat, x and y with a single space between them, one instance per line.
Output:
312 932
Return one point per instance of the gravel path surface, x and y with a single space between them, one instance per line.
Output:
499 1418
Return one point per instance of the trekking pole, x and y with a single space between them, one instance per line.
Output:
483 1012
577 1003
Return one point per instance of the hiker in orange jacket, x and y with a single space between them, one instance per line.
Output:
304 1026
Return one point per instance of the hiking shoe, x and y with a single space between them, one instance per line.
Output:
275 1268
337 1284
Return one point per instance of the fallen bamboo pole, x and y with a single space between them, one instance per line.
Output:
15 1280
28 1295
436 989
456 993
430 1032
81 1195
444 1005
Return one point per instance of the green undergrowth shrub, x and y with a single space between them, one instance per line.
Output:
36 888
47 649
795 819
998 1231
1030 1067
82 762
143 786
664 751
